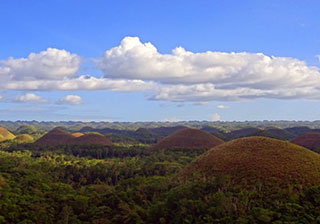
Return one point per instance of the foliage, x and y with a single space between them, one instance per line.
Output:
95 184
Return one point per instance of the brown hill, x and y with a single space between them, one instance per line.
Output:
77 134
91 139
259 159
188 138
24 138
5 135
309 140
298 130
56 136
59 136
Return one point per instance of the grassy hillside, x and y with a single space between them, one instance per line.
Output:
310 140
24 138
5 135
259 159
188 138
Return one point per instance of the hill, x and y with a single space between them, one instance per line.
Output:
310 140
56 136
91 139
59 136
26 129
188 138
281 134
298 130
166 131
273 133
210 129
24 138
259 159
5 135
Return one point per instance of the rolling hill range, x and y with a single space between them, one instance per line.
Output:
26 129
310 140
188 138
259 159
280 134
276 133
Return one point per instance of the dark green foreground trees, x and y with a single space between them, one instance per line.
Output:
136 187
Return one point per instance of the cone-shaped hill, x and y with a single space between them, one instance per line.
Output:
309 140
24 138
259 159
91 139
58 136
5 135
188 138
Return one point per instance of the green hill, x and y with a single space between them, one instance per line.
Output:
5 135
24 138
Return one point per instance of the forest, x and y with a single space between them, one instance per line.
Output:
133 183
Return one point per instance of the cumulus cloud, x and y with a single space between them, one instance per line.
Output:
49 64
215 117
187 76
81 83
222 106
71 99
133 59
30 98
180 76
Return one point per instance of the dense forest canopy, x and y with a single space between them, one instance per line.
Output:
129 182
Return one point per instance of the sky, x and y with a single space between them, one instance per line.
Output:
159 60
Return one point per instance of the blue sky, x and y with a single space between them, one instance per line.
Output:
273 73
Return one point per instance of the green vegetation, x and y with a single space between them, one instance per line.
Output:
250 180
5 135
23 138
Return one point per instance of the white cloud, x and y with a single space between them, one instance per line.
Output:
187 76
223 106
71 99
180 76
215 117
135 60
81 83
50 64
1 98
30 98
